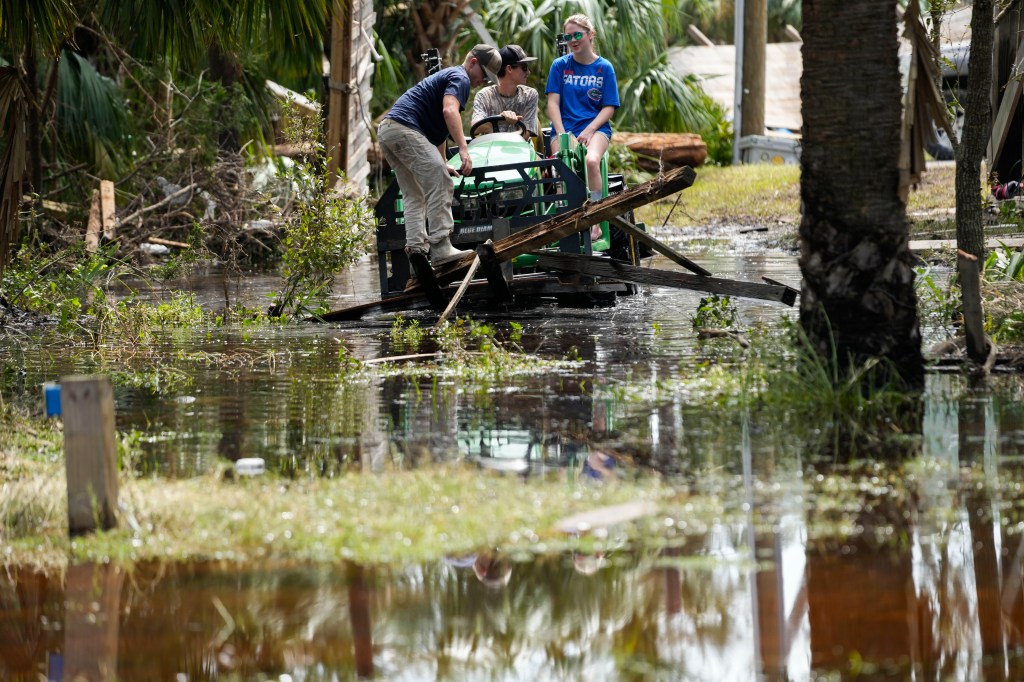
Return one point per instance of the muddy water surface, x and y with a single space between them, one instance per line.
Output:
929 586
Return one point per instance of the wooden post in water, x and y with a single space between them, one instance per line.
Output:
90 452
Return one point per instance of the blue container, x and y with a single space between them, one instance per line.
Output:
51 395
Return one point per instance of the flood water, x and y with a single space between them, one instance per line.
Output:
923 587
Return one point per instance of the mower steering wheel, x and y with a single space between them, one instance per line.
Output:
492 120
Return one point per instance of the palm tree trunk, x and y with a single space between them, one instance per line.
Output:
35 129
970 235
226 69
858 299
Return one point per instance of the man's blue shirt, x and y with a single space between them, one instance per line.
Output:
421 107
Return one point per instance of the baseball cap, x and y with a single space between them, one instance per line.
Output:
489 58
513 54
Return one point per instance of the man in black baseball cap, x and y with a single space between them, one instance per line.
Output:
511 98
412 137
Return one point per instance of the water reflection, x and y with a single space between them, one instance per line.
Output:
751 599
927 586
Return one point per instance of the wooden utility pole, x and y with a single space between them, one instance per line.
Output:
340 88
755 38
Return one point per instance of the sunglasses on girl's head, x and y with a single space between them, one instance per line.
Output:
578 35
524 66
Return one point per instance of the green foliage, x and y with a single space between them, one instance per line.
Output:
715 312
328 231
408 335
938 301
859 409
63 284
1005 263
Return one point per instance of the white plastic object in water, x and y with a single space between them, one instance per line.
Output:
250 466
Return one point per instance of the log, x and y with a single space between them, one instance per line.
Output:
672 150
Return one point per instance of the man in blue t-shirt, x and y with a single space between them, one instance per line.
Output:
412 138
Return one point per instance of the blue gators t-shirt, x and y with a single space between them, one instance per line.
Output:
584 89
420 108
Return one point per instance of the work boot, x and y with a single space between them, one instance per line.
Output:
443 252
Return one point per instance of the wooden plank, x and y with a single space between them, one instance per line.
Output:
90 452
604 267
460 291
990 243
1001 126
339 89
664 249
545 232
94 226
107 209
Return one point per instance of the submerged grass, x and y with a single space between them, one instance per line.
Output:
401 516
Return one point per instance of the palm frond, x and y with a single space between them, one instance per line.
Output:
172 30
45 23
90 115
658 98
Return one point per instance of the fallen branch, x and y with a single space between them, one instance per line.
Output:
166 200
168 242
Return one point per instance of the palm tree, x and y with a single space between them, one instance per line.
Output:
32 31
858 286
56 105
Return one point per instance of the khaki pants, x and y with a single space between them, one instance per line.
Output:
427 187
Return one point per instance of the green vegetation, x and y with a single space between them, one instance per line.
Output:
328 231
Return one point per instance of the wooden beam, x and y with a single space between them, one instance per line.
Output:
665 250
339 82
1001 125
579 219
495 271
603 267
